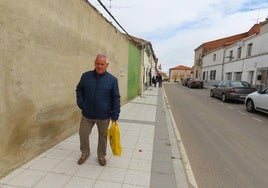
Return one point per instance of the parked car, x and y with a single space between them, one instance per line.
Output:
257 101
185 81
195 82
232 90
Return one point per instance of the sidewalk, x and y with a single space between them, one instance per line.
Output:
150 156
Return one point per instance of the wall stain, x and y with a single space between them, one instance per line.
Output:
30 132
19 126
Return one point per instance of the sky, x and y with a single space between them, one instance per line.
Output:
176 28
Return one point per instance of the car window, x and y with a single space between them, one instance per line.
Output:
227 84
240 84
266 91
221 84
224 84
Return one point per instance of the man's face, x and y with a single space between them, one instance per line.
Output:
100 65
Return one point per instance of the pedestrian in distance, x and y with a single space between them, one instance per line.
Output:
159 80
98 97
154 81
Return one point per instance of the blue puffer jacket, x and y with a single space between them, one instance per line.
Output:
98 95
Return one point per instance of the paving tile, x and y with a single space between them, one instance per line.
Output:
11 175
102 184
139 164
138 178
9 186
127 152
77 182
27 178
119 162
144 147
89 171
74 156
132 186
58 154
45 164
53 180
66 167
113 174
140 154
73 138
31 162
70 146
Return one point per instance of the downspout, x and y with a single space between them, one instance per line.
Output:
222 68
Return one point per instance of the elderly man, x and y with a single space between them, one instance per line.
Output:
98 97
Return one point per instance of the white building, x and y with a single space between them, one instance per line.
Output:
245 59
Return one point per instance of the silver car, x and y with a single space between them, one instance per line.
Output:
232 90
257 101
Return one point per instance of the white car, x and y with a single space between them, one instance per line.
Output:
257 101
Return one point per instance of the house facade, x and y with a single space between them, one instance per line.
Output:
148 63
244 59
179 73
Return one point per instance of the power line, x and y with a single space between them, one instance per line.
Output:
116 20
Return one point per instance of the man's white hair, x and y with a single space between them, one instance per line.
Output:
103 56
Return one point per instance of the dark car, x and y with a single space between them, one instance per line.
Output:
185 81
232 90
195 83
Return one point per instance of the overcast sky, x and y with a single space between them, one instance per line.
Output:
175 28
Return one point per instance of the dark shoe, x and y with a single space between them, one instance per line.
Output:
82 159
102 161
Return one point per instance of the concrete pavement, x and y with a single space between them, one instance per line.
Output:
150 157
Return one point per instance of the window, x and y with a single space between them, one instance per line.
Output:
222 84
204 75
237 76
199 60
231 55
249 49
213 75
239 51
214 57
228 76
239 84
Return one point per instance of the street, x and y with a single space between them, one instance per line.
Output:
226 145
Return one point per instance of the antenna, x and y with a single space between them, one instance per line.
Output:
258 14
110 6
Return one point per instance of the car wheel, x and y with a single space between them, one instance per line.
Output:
211 93
250 106
223 98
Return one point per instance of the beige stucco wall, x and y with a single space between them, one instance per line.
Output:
197 71
179 74
45 47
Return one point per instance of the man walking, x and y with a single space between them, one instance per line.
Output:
98 97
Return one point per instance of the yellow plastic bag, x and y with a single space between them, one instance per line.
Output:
113 134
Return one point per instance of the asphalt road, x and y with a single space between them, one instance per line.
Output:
226 145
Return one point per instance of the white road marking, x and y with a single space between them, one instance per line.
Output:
186 162
259 120
230 107
243 113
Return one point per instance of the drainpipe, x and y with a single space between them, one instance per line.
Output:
222 68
